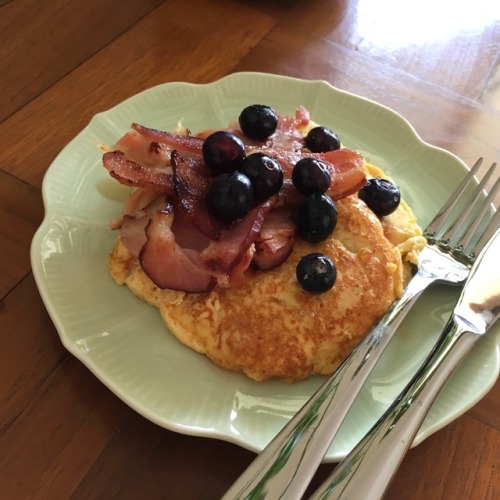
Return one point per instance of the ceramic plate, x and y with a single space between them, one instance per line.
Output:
123 341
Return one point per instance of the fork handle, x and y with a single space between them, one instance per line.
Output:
368 469
285 467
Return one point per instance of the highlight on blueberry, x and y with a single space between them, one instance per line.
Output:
316 273
223 151
381 196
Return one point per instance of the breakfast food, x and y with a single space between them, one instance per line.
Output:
253 243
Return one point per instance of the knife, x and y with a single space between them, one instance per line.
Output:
368 469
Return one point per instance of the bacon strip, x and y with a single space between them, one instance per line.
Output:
182 143
141 158
223 255
346 168
191 185
195 252
274 243
167 264
133 227
134 174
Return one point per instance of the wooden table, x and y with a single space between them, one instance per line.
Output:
62 433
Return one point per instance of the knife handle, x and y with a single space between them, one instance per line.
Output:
287 464
368 469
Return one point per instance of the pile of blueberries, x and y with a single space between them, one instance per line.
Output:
241 181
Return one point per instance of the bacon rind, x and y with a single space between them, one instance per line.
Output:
184 143
131 173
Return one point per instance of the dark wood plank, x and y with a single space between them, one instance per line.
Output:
71 34
141 453
33 346
454 463
53 408
21 211
278 9
66 425
108 78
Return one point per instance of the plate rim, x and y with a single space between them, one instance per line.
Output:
42 285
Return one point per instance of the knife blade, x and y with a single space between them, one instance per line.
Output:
367 470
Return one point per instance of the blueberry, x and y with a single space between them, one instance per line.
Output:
316 217
258 121
316 272
223 152
229 197
381 196
264 172
310 175
322 139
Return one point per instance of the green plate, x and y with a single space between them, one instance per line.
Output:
124 342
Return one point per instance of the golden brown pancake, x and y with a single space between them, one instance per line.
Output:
266 325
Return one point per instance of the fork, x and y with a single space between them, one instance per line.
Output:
454 238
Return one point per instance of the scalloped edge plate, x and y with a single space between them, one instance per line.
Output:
124 342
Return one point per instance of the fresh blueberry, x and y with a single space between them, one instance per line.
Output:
316 272
264 172
229 197
316 217
381 196
258 121
310 175
223 152
322 139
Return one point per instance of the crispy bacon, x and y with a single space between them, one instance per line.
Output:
140 149
135 205
346 169
134 174
182 143
191 184
133 233
178 243
174 266
142 157
138 200
288 135
187 235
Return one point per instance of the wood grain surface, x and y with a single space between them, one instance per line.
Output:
62 433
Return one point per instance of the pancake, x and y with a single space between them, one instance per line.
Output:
265 325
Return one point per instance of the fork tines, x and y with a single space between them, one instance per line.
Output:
458 229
